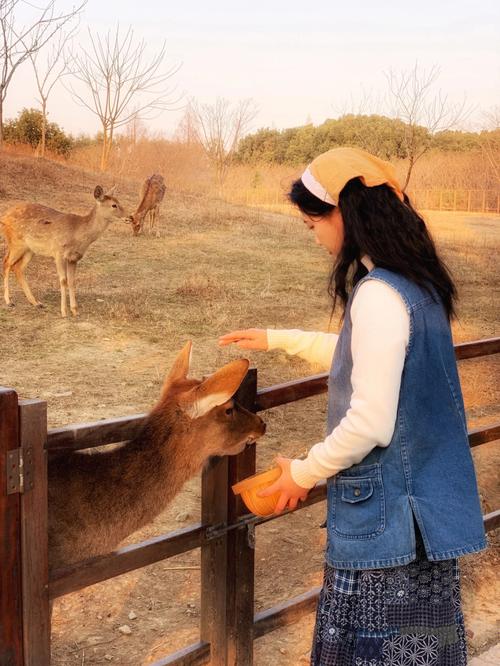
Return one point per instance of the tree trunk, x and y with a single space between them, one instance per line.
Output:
107 144
221 169
408 173
110 144
104 148
44 129
1 119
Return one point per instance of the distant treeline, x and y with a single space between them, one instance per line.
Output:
380 135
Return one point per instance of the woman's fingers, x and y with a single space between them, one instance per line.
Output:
233 336
285 502
248 344
281 503
250 338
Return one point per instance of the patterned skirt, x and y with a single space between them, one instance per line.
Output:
401 616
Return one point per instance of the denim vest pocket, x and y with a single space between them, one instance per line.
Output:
357 506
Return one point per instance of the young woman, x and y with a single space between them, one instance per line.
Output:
402 495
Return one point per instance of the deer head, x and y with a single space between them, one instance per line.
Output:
206 408
136 221
108 205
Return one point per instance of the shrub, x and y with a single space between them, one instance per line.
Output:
27 128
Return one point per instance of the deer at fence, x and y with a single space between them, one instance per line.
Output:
152 193
98 499
31 229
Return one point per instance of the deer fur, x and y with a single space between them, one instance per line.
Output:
31 229
97 499
152 193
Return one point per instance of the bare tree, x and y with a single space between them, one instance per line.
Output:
219 127
489 140
367 102
185 131
120 83
56 66
423 111
18 43
135 130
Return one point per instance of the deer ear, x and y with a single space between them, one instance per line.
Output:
216 389
180 367
98 193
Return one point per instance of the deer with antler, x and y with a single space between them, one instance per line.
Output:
31 229
97 499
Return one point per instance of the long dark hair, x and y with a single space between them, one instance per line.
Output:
390 231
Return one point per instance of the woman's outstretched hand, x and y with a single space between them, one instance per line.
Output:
290 492
250 338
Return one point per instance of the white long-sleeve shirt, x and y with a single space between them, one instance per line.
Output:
380 335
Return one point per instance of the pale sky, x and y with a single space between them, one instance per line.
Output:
299 61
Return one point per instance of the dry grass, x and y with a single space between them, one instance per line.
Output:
216 267
184 167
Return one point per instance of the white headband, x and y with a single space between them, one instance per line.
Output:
316 188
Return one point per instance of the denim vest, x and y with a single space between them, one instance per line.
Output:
426 474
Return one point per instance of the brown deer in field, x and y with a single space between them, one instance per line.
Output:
97 499
152 193
31 229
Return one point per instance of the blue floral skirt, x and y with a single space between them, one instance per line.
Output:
400 616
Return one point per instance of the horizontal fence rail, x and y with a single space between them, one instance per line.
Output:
489 433
492 520
96 433
473 201
96 569
466 350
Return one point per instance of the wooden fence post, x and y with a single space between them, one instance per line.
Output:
11 618
241 549
227 560
34 524
214 492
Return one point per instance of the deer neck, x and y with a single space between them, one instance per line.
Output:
173 452
150 470
95 222
96 500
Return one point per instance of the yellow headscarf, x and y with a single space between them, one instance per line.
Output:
328 173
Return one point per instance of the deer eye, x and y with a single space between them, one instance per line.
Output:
229 411
114 206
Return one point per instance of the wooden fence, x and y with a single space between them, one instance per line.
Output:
226 534
473 201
